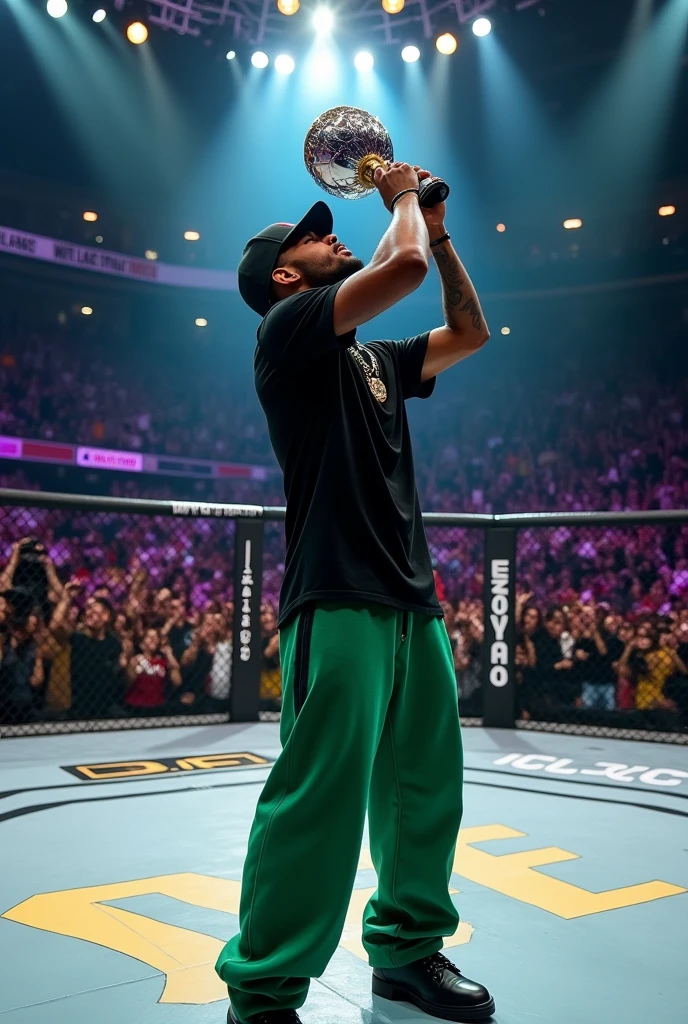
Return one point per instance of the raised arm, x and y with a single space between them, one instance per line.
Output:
59 626
465 328
7 574
400 262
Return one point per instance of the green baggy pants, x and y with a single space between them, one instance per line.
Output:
370 722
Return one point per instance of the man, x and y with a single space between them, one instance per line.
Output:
98 659
553 679
178 630
369 717
196 663
595 652
21 665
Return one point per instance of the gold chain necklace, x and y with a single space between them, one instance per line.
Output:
375 383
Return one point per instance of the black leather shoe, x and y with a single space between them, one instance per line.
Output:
437 986
269 1017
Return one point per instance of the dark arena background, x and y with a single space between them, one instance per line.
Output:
142 507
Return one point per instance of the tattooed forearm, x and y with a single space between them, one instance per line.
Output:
459 298
452 281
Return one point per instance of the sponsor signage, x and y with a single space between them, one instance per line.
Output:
615 771
105 458
27 450
244 697
499 683
165 765
194 508
84 257
10 448
499 620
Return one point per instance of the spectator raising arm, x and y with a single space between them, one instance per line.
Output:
7 574
60 626
172 665
55 586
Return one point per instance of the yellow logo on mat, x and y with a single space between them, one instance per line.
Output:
187 958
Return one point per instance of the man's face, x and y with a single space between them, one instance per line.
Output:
530 620
178 610
97 616
555 626
319 261
267 618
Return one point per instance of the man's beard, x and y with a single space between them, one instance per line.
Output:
319 277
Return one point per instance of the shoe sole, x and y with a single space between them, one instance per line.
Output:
388 990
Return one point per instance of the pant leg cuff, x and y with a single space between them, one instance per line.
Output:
402 958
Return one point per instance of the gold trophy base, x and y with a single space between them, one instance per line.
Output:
366 169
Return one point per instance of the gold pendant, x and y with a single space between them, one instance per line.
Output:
378 388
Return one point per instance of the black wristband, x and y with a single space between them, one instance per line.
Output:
438 241
400 194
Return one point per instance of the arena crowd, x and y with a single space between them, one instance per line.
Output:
107 614
145 604
579 439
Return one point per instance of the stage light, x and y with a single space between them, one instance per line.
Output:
501 228
364 61
150 254
200 321
86 310
284 64
506 330
191 236
666 211
410 54
288 6
137 33
323 21
99 239
56 8
231 55
482 27
90 216
99 15
260 59
572 223
447 43
393 6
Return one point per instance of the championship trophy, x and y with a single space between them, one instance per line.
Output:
345 146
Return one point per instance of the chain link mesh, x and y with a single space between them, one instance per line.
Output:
457 558
112 619
457 555
109 617
602 629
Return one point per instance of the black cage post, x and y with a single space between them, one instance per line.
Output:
499 678
513 547
244 695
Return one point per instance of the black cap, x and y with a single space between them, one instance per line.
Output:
262 251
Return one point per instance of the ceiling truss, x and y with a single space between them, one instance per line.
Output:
258 21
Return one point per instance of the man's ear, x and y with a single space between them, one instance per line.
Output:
286 276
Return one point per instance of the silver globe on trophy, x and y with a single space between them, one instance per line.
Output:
345 146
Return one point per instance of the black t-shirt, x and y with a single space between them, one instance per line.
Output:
97 679
17 666
195 675
548 653
179 638
353 524
597 668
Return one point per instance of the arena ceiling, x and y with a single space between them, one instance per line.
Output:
254 21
